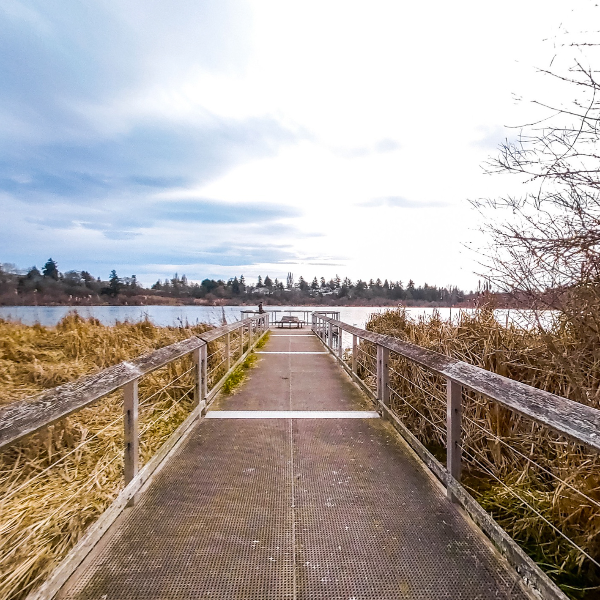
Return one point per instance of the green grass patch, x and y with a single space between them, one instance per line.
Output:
263 340
239 375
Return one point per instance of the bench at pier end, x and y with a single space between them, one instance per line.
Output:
290 322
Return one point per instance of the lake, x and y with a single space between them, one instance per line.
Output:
180 315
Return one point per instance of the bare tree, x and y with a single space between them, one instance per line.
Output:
545 242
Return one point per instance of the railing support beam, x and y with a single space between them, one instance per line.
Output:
228 349
203 375
383 375
198 398
453 435
354 353
131 432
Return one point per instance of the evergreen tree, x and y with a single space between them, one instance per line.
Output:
268 282
315 284
114 283
235 286
51 269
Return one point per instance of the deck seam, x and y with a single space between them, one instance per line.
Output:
293 488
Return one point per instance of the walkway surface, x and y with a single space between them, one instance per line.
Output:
311 508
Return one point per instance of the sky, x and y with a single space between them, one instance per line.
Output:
218 138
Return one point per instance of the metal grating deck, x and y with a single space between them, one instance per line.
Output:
294 508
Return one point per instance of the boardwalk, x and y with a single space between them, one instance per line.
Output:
293 505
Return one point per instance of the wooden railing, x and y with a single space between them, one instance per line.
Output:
28 416
215 355
576 421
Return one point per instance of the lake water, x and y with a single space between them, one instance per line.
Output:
180 315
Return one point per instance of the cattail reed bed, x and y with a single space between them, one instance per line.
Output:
539 486
54 484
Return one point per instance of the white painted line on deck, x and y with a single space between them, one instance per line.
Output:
292 414
294 335
267 352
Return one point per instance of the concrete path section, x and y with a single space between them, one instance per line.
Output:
294 508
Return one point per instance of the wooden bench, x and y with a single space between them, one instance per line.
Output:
290 322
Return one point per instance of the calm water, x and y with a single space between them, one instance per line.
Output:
178 315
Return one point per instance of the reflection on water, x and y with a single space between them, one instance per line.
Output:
180 315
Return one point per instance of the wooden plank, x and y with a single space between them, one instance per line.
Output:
573 419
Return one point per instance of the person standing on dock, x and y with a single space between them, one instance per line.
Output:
260 309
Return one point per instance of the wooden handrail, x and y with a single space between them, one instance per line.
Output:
573 419
30 415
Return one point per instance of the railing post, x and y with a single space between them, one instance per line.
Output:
250 333
453 435
383 375
354 353
330 336
242 340
228 349
340 347
131 442
203 374
196 357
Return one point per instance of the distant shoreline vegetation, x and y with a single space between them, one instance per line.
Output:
49 286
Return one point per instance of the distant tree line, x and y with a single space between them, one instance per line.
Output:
302 290
52 286
49 285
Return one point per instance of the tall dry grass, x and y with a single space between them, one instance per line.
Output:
509 461
54 484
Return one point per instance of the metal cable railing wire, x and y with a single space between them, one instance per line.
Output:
38 525
441 430
58 461
418 386
531 461
162 389
530 507
166 412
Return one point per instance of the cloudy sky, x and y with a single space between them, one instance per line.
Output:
221 137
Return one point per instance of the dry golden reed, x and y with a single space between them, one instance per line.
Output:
44 509
509 461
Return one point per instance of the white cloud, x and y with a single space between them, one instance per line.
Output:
339 103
